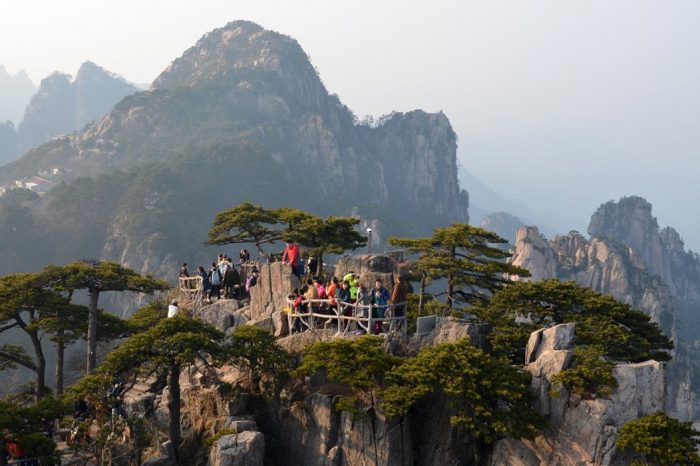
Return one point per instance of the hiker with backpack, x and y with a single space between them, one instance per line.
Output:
215 279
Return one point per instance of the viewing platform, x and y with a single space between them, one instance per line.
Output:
270 304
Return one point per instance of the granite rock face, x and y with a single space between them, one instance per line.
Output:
62 106
246 448
242 82
582 431
15 92
314 433
630 258
270 294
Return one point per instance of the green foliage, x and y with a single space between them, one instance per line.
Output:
589 373
245 223
98 277
332 234
487 396
360 364
464 255
25 425
256 352
523 307
248 223
661 441
148 316
178 340
211 441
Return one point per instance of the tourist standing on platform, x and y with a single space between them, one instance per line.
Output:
399 296
331 290
380 299
244 256
292 256
252 280
206 284
351 278
215 278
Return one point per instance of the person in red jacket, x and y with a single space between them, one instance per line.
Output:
292 257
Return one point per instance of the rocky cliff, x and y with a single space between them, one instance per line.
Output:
8 142
631 259
15 92
242 82
62 105
581 431
242 115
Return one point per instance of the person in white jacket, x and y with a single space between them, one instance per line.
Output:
173 309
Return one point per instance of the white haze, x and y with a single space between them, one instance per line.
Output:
560 105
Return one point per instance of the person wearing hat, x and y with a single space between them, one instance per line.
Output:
173 309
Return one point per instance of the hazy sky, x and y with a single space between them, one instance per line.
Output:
559 104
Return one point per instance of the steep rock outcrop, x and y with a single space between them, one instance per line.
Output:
244 83
62 106
8 142
15 92
582 431
313 432
245 448
631 259
51 112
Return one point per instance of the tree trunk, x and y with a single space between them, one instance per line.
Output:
92 331
450 289
174 406
421 295
40 364
319 264
60 350
262 253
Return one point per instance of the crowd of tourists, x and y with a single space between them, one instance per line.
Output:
349 296
223 279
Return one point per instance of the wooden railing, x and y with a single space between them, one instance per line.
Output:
191 293
321 310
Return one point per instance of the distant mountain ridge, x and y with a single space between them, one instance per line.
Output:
630 258
242 115
15 92
62 105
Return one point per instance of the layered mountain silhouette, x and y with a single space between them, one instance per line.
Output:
15 92
242 115
62 105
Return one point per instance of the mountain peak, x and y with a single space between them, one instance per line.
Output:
230 51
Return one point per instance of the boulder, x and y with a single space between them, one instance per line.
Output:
269 295
559 337
549 352
266 323
223 314
582 431
280 324
241 449
298 341
448 330
240 424
369 267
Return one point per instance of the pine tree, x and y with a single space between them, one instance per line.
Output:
169 346
97 277
465 257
